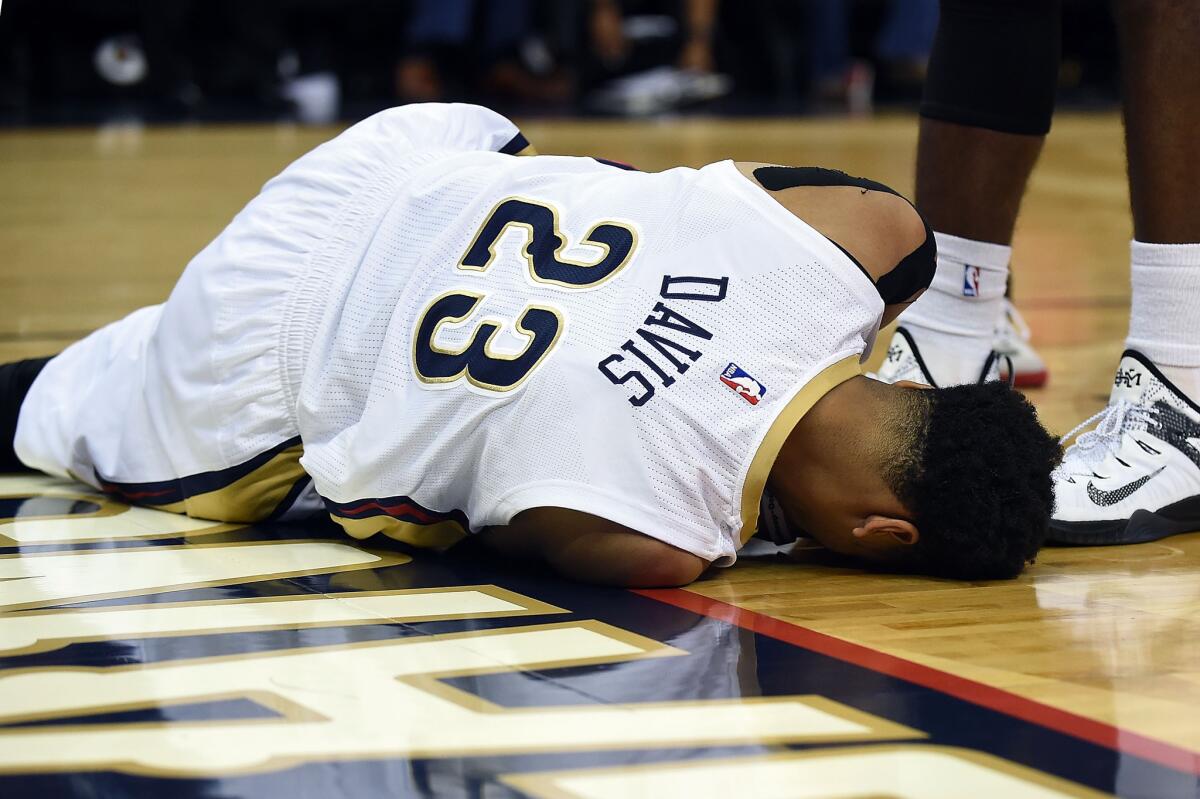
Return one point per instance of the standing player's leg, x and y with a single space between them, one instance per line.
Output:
1136 476
970 180
988 103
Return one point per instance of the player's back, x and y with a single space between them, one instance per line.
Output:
484 334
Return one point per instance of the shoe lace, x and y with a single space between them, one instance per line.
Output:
1094 445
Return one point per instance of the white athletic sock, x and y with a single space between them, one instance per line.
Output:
955 321
1164 321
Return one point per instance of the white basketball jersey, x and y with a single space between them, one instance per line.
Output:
490 333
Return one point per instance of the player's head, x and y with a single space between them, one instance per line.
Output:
953 481
972 465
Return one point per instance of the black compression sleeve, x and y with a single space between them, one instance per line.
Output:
994 65
15 381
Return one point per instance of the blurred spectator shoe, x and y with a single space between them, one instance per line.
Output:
1012 340
852 91
659 89
317 97
120 60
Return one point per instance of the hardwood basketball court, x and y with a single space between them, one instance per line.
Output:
1098 645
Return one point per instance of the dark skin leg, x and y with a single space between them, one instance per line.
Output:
1160 64
970 180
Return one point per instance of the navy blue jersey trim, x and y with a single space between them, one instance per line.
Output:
287 502
167 492
515 145
404 508
617 164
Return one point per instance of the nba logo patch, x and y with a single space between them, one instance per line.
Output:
746 386
970 280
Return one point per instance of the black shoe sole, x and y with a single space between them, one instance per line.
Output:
1144 525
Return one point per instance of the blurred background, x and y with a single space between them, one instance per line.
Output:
319 61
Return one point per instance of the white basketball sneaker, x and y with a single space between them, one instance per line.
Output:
1136 475
906 361
1012 342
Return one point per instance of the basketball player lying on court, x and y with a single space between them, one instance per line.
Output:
606 370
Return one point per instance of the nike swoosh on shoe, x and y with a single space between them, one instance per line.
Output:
1106 498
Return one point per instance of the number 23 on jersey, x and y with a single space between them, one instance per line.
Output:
541 324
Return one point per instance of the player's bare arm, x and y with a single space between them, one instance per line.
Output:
594 550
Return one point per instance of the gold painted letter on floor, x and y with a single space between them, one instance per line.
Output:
382 699
897 772
42 580
41 631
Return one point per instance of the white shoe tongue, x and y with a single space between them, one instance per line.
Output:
1131 380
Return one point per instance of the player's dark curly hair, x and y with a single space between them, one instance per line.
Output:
977 480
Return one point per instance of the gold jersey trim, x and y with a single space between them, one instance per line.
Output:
764 458
439 536
252 497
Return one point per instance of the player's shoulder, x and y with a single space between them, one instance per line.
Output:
869 219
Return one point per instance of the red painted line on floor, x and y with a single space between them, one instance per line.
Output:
997 699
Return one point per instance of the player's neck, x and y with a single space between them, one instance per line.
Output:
831 449
848 412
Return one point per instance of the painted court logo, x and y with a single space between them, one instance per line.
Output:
746 386
970 280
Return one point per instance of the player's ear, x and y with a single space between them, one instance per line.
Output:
902 530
